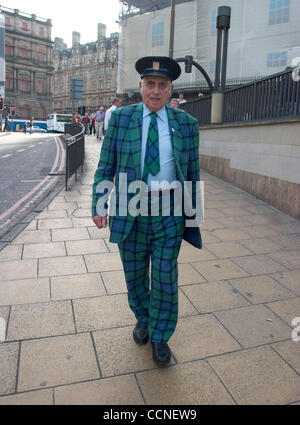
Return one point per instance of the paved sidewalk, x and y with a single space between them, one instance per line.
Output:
69 333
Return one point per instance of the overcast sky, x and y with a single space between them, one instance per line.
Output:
68 16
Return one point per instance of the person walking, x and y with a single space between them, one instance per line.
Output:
31 125
86 122
174 103
150 143
99 123
115 105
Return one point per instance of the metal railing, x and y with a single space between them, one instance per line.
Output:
272 98
75 150
200 109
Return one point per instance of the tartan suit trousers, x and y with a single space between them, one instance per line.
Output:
153 297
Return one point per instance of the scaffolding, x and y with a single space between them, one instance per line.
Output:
138 7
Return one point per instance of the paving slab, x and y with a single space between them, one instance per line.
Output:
56 223
34 321
189 384
118 354
31 398
89 246
254 325
96 313
261 289
290 352
59 235
56 361
257 377
199 337
11 252
219 270
228 249
77 286
287 310
289 259
44 250
63 266
103 262
9 353
24 291
32 236
291 280
117 391
214 296
188 275
23 269
259 264
114 282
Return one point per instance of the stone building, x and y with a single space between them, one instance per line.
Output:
28 56
95 63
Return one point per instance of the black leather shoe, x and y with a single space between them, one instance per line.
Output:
140 334
161 353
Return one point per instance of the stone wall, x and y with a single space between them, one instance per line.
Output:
260 158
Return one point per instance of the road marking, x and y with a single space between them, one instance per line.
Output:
6 156
44 185
32 146
21 150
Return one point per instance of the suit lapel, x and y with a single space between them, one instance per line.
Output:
176 136
134 136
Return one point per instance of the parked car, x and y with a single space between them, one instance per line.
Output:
36 129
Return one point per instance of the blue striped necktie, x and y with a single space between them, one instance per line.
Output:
152 159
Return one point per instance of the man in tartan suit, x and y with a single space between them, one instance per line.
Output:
150 143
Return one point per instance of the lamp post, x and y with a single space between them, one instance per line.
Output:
223 26
172 30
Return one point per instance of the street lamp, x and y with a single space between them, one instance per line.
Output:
223 26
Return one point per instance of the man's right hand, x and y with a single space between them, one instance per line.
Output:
100 221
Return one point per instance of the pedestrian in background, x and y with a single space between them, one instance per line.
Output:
31 125
86 122
174 103
99 123
181 99
116 104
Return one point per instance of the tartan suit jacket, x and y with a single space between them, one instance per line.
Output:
121 153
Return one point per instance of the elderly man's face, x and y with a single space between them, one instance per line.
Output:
156 92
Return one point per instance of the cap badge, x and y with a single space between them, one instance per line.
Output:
156 65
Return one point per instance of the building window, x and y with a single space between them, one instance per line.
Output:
279 11
42 31
277 59
24 26
9 49
41 85
25 52
24 83
158 34
7 22
9 84
213 23
41 56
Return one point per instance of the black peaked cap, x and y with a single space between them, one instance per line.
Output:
161 66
